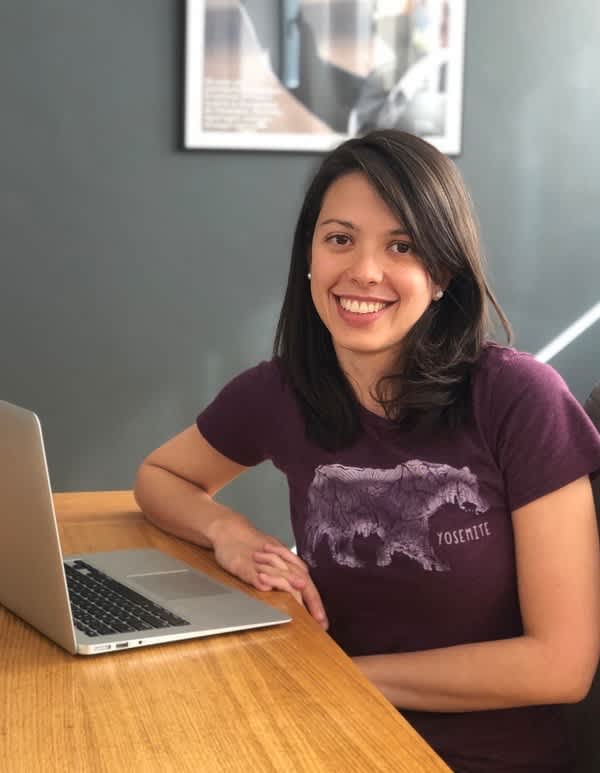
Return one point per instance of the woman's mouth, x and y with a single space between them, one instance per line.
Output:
361 307
360 311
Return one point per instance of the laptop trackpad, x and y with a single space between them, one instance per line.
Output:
177 585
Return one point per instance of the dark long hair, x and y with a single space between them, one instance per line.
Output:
425 191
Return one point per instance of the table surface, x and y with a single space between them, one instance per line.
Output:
274 699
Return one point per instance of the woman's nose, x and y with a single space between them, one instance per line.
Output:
366 268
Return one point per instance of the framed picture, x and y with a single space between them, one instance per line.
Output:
307 74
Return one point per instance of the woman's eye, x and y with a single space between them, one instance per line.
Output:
401 247
339 240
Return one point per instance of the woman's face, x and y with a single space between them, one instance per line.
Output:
368 285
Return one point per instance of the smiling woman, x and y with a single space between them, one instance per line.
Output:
439 482
386 219
369 285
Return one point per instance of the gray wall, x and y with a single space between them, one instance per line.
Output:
136 278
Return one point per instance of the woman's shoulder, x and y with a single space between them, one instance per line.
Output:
508 382
262 388
245 418
513 370
264 377
538 432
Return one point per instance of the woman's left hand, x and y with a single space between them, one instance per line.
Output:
283 570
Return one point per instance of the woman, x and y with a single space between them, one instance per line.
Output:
439 483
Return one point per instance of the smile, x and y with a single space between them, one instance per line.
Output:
361 307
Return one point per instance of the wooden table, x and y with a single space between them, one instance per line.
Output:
276 699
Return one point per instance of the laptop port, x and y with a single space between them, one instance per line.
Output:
121 645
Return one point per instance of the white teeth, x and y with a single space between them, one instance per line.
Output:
360 307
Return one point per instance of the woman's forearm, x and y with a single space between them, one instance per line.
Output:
470 677
182 508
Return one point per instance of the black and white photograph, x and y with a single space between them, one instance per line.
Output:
306 74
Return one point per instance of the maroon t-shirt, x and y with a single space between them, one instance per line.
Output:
408 534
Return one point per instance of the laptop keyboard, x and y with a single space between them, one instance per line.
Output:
101 605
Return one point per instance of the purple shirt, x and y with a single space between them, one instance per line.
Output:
408 534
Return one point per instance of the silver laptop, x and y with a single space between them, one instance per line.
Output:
97 602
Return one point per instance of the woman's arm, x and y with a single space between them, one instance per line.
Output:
554 661
174 488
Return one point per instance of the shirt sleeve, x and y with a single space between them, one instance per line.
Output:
235 423
541 436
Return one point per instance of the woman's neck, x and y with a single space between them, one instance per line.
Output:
364 371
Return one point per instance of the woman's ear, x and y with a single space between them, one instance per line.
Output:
443 281
440 287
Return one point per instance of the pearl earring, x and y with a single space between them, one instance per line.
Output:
309 275
438 295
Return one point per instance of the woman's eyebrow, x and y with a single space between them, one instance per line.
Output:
345 223
400 231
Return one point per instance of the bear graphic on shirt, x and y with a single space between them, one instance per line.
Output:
394 504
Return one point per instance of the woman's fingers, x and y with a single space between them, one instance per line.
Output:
260 584
271 559
293 577
306 593
280 583
271 564
286 554
312 602
285 571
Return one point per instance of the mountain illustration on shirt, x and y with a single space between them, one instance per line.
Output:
393 504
